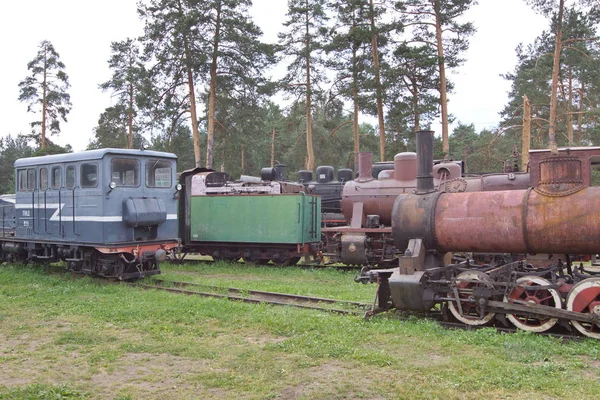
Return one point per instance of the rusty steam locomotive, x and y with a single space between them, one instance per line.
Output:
558 214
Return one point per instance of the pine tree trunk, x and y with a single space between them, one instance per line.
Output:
570 109
310 155
355 130
243 159
526 140
194 116
44 101
442 68
273 148
213 92
130 116
378 90
416 113
580 114
555 70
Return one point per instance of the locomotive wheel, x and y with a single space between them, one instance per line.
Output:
465 283
546 297
584 297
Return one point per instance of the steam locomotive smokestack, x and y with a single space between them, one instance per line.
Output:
424 161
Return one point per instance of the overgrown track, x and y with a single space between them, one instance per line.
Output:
299 265
317 303
256 296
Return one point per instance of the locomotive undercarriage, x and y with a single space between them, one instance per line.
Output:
114 264
362 246
258 254
503 294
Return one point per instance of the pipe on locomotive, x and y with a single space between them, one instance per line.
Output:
424 161
561 215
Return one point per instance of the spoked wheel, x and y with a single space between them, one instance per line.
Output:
465 283
543 296
584 297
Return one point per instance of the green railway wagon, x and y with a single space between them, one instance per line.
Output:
259 228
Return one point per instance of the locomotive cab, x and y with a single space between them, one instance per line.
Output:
109 212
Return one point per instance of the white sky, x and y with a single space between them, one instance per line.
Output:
81 32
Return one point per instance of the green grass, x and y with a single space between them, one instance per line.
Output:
73 338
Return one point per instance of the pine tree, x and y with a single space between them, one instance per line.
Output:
436 23
237 59
127 80
45 91
348 51
412 89
172 42
11 149
578 83
555 9
302 44
113 130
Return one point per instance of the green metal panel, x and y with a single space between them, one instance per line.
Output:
256 218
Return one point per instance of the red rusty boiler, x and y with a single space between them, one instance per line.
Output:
561 215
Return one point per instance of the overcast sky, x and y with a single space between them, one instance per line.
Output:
81 32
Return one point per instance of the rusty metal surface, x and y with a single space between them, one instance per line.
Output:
521 221
412 219
560 175
587 155
480 221
365 163
353 249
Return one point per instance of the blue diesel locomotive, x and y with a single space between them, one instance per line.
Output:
107 212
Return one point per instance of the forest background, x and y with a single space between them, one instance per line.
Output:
198 82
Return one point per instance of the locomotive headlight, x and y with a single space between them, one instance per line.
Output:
177 190
111 187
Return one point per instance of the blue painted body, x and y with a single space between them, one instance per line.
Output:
85 209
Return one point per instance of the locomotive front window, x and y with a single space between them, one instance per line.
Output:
89 175
22 179
158 173
70 177
30 179
56 178
125 172
43 178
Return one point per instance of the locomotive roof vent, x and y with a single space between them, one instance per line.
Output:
345 175
268 174
405 166
304 176
280 171
325 174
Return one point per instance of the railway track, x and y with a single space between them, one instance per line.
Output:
321 304
299 265
257 296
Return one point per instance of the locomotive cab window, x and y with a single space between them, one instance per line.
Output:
125 172
43 178
26 179
595 171
89 175
158 173
56 178
70 181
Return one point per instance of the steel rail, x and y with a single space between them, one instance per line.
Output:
256 296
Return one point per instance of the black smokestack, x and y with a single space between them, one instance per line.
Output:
424 161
